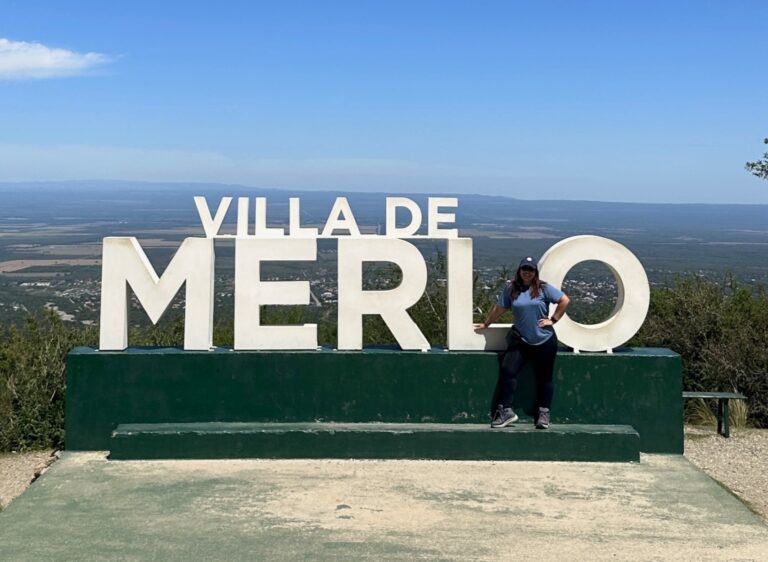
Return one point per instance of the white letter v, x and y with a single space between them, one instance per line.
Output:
212 225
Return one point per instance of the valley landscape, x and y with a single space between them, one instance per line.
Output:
51 233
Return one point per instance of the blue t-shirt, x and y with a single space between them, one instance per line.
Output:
529 311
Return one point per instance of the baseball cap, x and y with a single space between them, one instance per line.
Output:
528 261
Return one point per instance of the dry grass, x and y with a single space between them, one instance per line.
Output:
703 412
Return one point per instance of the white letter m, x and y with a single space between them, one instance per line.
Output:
125 263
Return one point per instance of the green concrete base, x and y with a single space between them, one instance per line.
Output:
640 387
605 443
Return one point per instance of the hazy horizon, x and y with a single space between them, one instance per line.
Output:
191 186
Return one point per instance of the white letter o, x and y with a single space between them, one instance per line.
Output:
631 282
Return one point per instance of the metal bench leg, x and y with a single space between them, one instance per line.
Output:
726 418
720 416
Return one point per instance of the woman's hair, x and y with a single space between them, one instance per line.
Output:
517 285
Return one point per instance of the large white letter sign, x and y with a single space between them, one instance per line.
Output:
461 333
631 282
212 225
392 229
435 217
251 292
335 222
295 229
392 304
260 221
125 263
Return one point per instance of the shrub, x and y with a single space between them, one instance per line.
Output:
721 332
32 380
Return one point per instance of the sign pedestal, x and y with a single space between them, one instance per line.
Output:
641 388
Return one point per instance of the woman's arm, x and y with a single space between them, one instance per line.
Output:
496 313
562 304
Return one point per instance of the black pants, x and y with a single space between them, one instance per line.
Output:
512 361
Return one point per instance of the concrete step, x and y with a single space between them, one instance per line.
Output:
218 440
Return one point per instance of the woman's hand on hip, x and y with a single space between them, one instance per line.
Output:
544 322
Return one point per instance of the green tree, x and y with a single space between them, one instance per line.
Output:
759 167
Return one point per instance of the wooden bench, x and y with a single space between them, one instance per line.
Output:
723 410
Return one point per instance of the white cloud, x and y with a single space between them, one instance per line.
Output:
19 60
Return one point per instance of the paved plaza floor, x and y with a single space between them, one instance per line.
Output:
88 508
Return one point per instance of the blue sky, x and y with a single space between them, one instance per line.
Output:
659 101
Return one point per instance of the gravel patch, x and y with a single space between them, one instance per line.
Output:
19 470
740 462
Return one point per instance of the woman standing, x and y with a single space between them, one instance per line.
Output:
532 338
